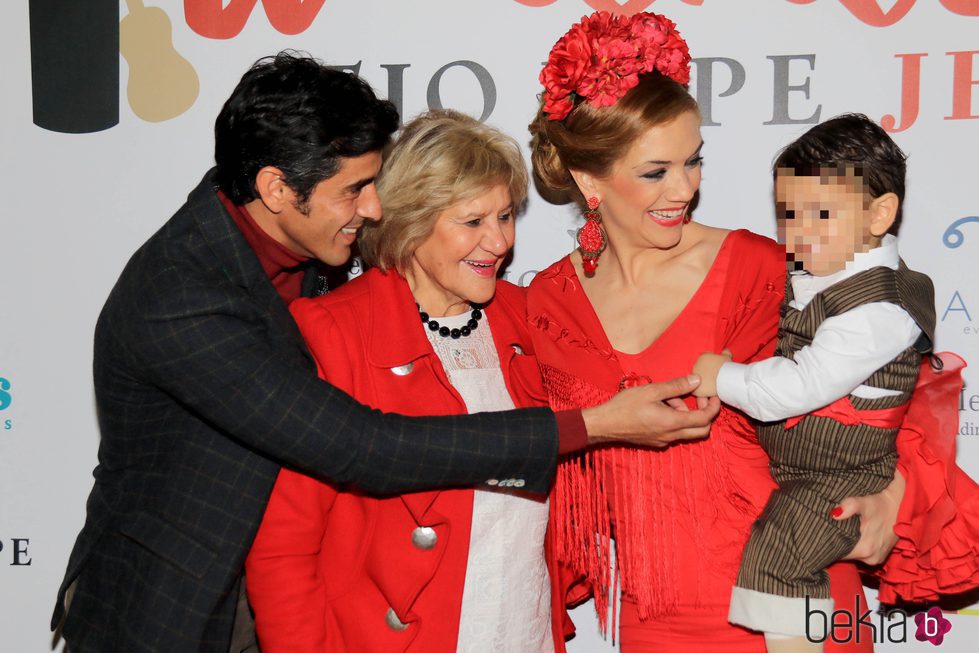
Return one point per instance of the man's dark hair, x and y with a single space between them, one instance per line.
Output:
850 144
293 112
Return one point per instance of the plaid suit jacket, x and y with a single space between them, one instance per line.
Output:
204 388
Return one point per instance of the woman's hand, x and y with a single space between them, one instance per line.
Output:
878 514
651 415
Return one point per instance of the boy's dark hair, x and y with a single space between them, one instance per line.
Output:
851 144
293 112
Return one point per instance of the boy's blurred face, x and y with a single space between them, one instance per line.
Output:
822 220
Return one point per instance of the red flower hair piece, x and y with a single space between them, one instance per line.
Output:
602 56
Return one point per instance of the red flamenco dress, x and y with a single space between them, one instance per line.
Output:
680 516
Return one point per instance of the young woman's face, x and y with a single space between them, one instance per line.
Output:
648 193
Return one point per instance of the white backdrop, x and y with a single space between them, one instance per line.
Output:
76 205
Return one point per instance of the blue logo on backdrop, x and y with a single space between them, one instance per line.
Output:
4 393
5 399
953 236
957 311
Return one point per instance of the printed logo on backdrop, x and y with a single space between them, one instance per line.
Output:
961 304
13 551
75 63
969 408
867 11
953 236
75 49
75 70
6 398
957 312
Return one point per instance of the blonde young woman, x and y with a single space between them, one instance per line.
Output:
648 290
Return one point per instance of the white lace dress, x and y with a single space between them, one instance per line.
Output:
506 600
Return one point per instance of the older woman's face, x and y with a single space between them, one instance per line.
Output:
458 263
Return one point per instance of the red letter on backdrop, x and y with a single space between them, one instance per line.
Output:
962 7
910 88
292 16
869 11
212 20
962 83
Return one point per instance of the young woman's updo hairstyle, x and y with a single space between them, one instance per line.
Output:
441 158
591 139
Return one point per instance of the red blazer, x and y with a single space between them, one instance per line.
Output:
329 566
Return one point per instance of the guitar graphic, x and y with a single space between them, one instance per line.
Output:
162 84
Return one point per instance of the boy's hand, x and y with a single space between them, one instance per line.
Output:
707 367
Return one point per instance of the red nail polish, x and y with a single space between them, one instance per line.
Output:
836 512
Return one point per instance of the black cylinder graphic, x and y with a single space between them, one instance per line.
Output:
75 64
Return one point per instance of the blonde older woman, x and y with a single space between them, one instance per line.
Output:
428 330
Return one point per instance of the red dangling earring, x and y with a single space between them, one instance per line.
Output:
687 217
591 237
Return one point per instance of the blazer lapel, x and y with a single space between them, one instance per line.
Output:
313 285
396 340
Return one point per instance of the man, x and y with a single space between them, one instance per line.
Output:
204 387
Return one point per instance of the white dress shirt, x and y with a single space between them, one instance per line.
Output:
845 351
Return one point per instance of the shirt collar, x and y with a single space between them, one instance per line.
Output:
805 286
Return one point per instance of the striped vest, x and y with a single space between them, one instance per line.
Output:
820 443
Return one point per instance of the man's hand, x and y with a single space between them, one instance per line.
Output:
707 367
651 415
878 514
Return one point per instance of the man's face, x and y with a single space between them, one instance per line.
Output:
822 220
335 211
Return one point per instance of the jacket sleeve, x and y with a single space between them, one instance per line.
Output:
214 350
845 351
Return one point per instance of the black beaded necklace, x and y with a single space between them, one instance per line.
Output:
474 317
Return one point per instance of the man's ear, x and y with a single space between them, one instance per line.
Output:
883 212
272 189
585 182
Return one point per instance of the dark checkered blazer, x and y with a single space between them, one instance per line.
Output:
204 388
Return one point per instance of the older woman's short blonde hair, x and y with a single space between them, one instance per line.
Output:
441 158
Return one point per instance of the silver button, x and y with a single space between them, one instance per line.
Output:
424 538
403 370
492 481
393 622
519 483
